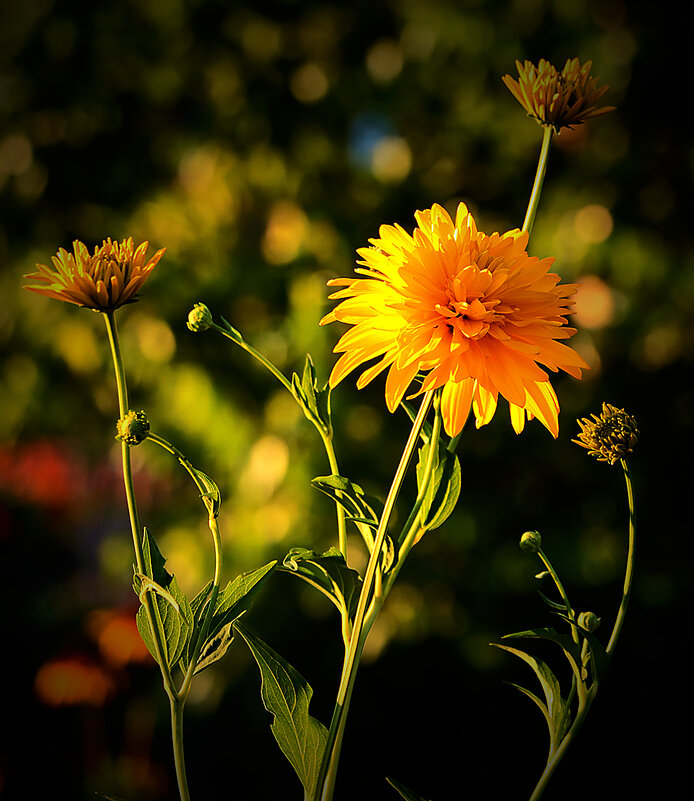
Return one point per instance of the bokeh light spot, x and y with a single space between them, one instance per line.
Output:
384 60
593 223
594 304
391 160
286 226
156 339
309 83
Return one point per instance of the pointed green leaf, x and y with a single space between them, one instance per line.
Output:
235 335
556 605
287 695
328 572
314 400
175 625
173 616
211 496
215 648
565 641
146 584
444 485
235 599
557 711
405 792
359 506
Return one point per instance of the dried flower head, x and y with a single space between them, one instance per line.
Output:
473 312
557 99
610 436
103 281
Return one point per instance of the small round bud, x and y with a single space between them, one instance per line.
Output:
531 541
133 428
588 621
199 318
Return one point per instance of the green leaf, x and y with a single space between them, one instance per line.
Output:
555 709
211 496
146 584
215 648
314 400
444 485
235 599
405 792
564 641
235 335
358 506
172 612
287 695
597 652
328 572
556 605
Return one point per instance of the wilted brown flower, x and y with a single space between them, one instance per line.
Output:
610 436
103 281
557 99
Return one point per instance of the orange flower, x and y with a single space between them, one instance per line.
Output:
557 99
103 281
474 312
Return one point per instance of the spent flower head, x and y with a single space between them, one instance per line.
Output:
610 436
471 313
557 99
103 281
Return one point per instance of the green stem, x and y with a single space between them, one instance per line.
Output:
556 758
324 435
414 522
626 591
217 542
560 587
586 701
147 601
177 706
539 180
326 780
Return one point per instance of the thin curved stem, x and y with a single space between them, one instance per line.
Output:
534 201
629 575
587 699
560 587
325 436
217 542
326 779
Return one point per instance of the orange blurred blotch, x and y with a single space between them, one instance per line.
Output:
117 637
73 681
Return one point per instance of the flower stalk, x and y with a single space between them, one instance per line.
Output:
326 780
176 704
538 183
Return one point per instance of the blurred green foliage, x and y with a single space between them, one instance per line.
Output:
261 144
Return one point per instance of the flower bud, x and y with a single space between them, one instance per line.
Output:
133 428
531 542
199 318
588 621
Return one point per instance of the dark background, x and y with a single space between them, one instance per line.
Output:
261 144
